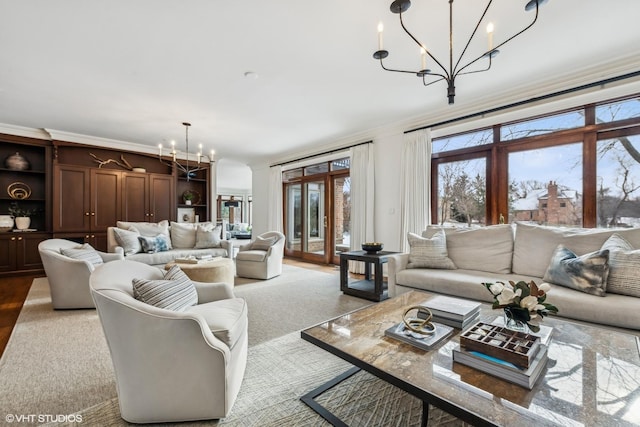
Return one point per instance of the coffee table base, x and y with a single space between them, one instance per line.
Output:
309 400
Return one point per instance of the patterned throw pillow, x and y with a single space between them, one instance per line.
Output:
587 273
175 292
84 253
624 266
155 244
128 239
429 252
263 243
206 238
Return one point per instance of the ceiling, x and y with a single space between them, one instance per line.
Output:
135 70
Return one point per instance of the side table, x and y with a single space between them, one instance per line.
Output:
371 288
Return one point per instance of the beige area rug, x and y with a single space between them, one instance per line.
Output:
58 363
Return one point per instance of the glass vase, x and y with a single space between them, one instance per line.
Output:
510 322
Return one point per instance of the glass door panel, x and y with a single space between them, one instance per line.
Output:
315 218
341 215
293 219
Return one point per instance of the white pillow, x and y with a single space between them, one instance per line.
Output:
148 229
624 267
429 252
128 239
84 252
263 243
183 235
208 238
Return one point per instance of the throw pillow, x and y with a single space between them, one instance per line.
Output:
84 253
624 266
159 243
208 238
128 239
429 252
149 229
263 243
587 273
174 292
183 235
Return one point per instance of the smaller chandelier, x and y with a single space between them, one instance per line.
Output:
449 74
189 172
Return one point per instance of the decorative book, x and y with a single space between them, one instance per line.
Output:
516 347
525 377
452 308
425 342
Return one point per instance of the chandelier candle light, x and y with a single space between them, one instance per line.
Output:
189 172
449 75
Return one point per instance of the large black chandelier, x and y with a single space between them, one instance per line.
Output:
454 70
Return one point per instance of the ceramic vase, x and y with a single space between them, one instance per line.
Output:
22 222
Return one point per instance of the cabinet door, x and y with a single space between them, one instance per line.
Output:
28 257
161 205
135 197
7 252
71 193
105 199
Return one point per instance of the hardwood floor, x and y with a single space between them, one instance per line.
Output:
14 290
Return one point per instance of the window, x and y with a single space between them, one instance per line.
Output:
573 168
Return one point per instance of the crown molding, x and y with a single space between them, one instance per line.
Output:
24 131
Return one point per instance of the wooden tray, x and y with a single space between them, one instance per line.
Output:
518 348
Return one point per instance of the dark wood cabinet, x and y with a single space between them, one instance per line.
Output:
19 252
147 197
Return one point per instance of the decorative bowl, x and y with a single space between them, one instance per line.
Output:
372 247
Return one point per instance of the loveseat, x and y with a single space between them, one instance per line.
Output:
525 252
159 243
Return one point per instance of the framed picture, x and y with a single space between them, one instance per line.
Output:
186 215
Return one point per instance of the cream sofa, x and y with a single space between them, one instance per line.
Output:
180 240
518 252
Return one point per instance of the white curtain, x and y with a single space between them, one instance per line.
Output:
274 215
362 200
415 192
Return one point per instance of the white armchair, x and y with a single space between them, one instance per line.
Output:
171 366
69 277
262 258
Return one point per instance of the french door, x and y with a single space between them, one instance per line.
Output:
315 218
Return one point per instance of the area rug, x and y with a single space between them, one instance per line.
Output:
278 373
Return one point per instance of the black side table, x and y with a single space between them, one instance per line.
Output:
374 289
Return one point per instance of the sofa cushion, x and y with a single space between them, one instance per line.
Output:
208 238
428 252
84 252
535 244
485 249
155 244
251 255
128 239
226 318
587 273
148 229
183 235
624 266
263 243
174 292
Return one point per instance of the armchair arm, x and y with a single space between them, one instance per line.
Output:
228 246
208 292
395 264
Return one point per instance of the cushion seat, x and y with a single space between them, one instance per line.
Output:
227 318
252 255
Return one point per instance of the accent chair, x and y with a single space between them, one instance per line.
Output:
262 258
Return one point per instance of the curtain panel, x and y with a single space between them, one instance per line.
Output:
274 215
415 192
362 200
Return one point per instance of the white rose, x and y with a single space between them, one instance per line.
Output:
496 288
507 296
530 303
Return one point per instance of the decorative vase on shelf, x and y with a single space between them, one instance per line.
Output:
22 222
511 322
6 222
17 162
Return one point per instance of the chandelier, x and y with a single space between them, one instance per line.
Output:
459 68
189 172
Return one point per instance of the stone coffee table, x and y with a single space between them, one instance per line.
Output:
592 377
214 271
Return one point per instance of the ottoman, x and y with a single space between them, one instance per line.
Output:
214 271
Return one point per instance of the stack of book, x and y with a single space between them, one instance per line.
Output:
455 312
516 357
195 260
425 342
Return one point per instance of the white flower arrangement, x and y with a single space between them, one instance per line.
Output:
523 301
